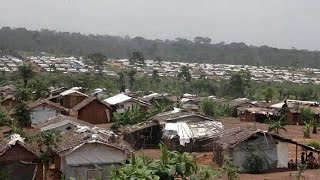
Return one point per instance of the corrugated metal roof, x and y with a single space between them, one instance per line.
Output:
117 99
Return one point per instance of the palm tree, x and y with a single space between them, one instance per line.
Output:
230 169
160 107
131 116
208 107
171 165
22 114
185 164
307 126
122 83
97 60
307 117
131 74
26 73
184 73
277 125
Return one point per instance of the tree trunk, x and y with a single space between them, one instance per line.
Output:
306 134
314 129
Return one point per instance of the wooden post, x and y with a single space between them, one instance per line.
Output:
296 154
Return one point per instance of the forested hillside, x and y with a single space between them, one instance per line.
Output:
201 49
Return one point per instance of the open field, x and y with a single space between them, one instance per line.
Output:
294 132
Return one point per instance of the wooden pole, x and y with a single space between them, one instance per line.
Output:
296 154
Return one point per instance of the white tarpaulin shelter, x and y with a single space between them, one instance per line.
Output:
191 130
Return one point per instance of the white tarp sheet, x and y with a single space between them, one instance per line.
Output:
282 148
186 130
181 129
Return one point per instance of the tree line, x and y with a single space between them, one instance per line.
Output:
201 49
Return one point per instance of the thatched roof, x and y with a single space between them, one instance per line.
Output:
88 101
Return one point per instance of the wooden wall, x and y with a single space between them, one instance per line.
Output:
14 155
95 113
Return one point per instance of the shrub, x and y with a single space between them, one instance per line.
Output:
255 162
4 174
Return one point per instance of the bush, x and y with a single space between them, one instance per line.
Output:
255 162
3 118
214 109
4 174
314 144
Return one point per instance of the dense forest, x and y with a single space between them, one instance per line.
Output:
201 49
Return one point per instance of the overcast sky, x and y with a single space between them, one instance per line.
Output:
278 23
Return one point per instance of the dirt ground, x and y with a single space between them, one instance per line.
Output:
293 132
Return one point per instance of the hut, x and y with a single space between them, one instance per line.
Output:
9 103
185 131
122 102
69 98
19 158
189 104
89 152
292 108
61 123
92 110
257 114
241 144
44 109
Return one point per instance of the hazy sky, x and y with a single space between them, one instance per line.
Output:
279 23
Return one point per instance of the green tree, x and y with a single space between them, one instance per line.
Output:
4 174
268 95
122 82
39 87
230 169
307 117
161 106
255 162
131 74
206 173
158 60
131 116
46 141
171 165
22 114
184 74
277 125
155 76
236 86
137 168
137 58
23 93
246 78
207 107
97 59
202 40
26 73
4 120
